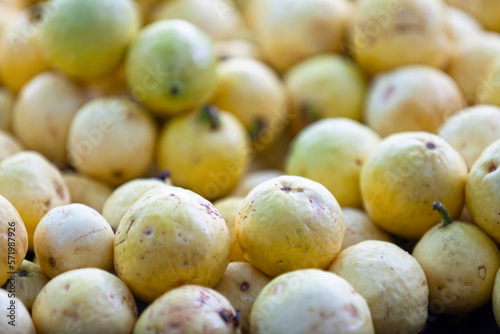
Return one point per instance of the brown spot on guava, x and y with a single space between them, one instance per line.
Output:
148 231
52 261
230 318
358 162
481 272
174 90
58 190
430 145
47 203
388 92
244 286
111 296
286 189
22 273
353 311
492 167
66 287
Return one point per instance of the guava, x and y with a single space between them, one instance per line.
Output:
406 173
18 314
86 300
392 282
9 145
85 190
43 112
189 309
255 94
124 196
482 192
13 240
170 237
292 30
20 53
33 185
387 34
325 86
332 152
112 139
87 38
228 208
71 237
6 106
253 179
310 301
460 262
483 11
205 150
359 227
471 130
28 280
171 66
462 25
411 98
289 223
241 284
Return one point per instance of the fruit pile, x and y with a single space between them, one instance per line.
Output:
249 166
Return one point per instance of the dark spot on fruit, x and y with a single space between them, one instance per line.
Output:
47 203
286 188
111 296
163 176
230 318
66 287
174 90
299 190
244 286
117 174
148 231
353 311
481 272
256 129
52 261
430 145
58 190
492 167
36 13
358 162
22 273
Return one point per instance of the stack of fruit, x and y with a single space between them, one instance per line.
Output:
249 166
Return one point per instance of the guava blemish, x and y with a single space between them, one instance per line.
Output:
66 287
131 223
481 272
230 318
211 210
47 203
148 231
285 188
58 190
22 273
430 145
244 286
388 92
174 90
117 174
492 167
358 162
52 261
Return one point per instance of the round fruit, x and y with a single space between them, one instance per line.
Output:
483 11
310 301
170 237
289 223
85 190
228 208
33 185
325 86
241 284
462 25
73 236
112 139
15 317
28 280
189 309
85 301
253 179
171 66
406 173
472 130
87 38
206 150
386 34
43 112
483 192
392 282
460 262
411 98
332 152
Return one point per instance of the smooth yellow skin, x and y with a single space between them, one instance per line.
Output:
386 34
495 299
359 227
85 190
228 208
188 309
332 152
219 19
9 145
411 98
241 284
289 223
310 301
482 193
462 24
253 179
470 66
104 28
112 139
12 230
292 30
124 196
255 94
86 300
23 322
404 175
171 66
460 262
489 91
392 282
71 237
6 106
170 237
43 112
34 186
29 281
207 161
20 53
472 130
325 86
483 11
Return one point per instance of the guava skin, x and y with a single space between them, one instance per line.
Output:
23 322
